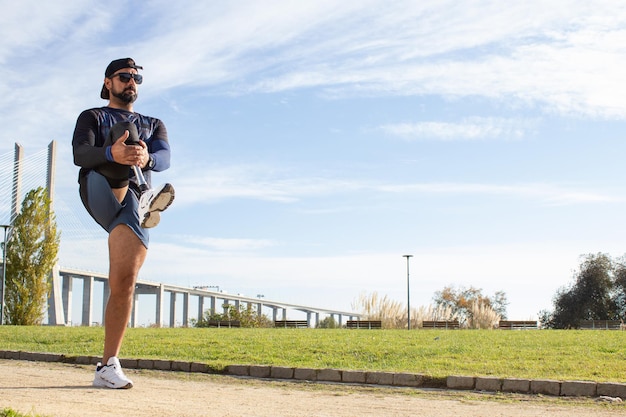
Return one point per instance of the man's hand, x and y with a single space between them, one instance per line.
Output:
129 154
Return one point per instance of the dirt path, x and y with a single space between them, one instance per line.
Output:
58 390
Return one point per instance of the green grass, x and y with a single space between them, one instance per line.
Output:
537 354
8 412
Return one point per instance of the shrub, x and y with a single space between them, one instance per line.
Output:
245 315
328 323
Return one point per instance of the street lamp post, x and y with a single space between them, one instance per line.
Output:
408 292
4 270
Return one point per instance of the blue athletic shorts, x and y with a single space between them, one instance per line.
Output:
106 210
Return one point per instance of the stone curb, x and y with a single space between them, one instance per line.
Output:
456 382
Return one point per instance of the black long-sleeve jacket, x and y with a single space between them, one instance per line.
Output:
92 129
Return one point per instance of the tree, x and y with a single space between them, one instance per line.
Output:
596 294
619 290
464 302
328 323
32 251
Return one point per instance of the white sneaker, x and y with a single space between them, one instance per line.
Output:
154 201
111 375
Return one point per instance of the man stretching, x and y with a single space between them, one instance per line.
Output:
117 149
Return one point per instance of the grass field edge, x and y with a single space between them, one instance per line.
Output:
611 390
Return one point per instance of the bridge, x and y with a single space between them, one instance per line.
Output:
60 302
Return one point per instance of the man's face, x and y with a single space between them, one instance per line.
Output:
122 87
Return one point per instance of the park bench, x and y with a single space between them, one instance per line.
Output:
297 324
224 323
364 324
517 324
601 325
440 324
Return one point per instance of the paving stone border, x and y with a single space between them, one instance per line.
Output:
403 379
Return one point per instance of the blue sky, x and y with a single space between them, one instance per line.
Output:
316 142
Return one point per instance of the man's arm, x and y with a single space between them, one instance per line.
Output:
87 153
158 150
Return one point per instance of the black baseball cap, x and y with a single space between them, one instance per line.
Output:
114 66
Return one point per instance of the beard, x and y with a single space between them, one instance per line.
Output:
127 96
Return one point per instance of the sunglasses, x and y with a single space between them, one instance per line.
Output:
127 76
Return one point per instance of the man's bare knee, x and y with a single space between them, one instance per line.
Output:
122 286
126 256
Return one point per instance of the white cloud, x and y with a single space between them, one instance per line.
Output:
226 244
218 183
215 183
29 26
550 194
476 128
552 58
